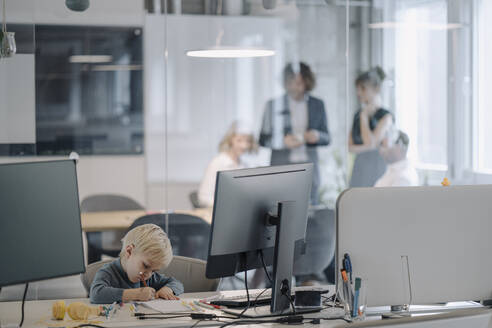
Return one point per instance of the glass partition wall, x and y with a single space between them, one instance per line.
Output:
425 49
75 87
238 86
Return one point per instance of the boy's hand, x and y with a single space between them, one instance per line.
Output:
146 293
166 293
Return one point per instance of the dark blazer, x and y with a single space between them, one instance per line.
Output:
316 121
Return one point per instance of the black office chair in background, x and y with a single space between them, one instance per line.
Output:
106 242
189 234
320 247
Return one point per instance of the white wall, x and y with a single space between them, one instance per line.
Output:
17 99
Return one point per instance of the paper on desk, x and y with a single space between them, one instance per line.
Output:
165 306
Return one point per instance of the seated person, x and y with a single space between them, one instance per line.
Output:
133 276
399 171
237 141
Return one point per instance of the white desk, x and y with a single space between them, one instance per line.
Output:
38 314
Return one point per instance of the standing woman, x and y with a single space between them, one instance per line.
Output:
370 125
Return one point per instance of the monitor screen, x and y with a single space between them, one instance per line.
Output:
40 234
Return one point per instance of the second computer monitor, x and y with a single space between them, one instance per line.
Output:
242 200
40 230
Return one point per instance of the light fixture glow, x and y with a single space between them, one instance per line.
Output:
416 25
230 52
89 59
103 68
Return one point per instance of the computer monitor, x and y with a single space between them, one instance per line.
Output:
260 210
40 229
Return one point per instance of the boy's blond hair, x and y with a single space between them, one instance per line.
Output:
150 240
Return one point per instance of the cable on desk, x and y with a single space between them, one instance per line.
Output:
141 314
247 293
23 302
291 303
194 316
293 319
265 267
271 282
269 278
257 297
333 299
196 323
164 317
89 325
245 322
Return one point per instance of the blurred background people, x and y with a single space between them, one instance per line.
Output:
399 170
370 125
238 140
295 124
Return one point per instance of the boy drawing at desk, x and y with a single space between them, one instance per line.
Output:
133 276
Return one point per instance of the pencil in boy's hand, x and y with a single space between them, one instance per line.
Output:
142 279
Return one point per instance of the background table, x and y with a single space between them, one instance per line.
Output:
121 220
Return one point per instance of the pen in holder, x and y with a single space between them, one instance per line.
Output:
354 297
360 299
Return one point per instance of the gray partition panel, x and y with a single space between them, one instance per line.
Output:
444 231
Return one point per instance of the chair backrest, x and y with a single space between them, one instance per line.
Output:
106 242
194 199
189 234
108 202
191 272
88 276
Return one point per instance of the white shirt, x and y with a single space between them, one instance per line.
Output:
401 174
299 121
221 162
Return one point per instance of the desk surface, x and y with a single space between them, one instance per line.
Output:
121 220
38 314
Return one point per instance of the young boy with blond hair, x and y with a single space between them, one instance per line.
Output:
134 277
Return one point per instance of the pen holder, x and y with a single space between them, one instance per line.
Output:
355 300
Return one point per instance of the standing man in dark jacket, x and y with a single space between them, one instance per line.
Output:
295 124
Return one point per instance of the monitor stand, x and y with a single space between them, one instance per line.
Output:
283 258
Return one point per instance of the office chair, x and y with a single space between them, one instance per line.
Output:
106 242
368 167
189 234
190 271
320 246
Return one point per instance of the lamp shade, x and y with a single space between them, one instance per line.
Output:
77 5
230 52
